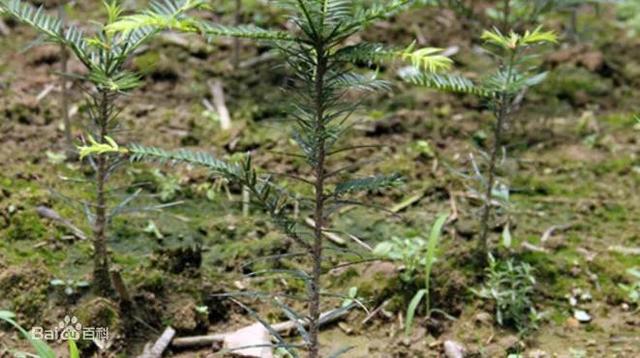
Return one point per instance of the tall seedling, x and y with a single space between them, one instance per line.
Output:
104 55
514 56
322 63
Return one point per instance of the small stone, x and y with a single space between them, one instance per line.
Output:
345 328
582 316
538 353
572 301
453 349
586 297
239 285
572 323
483 319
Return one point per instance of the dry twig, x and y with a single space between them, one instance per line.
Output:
160 346
282 328
51 214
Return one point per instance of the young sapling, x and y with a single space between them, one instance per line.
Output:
104 55
321 59
502 90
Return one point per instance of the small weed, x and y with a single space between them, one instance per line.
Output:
416 255
510 286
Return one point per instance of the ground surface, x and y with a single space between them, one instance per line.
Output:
572 161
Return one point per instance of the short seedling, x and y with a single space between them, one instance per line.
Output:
104 55
503 91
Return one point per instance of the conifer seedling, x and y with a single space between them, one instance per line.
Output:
321 60
104 55
515 55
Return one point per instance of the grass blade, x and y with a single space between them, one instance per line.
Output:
411 311
432 248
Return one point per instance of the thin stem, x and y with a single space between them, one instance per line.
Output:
502 117
483 249
319 217
101 275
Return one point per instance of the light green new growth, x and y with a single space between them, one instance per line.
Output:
169 14
96 148
515 41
